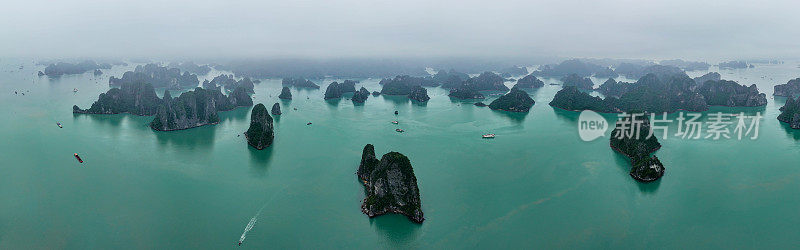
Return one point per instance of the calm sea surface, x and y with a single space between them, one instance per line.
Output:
535 185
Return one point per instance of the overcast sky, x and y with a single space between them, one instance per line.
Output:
689 29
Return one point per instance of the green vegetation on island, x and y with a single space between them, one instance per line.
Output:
419 93
487 81
613 88
391 186
133 98
465 91
790 113
638 147
730 93
790 89
260 133
529 82
515 100
276 109
402 85
711 76
577 81
361 95
663 91
230 83
336 89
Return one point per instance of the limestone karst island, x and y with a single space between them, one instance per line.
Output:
441 124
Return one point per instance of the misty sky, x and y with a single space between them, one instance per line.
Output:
705 30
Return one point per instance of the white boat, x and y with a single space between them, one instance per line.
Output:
487 136
395 122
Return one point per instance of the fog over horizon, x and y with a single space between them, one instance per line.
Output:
693 30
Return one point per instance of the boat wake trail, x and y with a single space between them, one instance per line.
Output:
253 220
248 228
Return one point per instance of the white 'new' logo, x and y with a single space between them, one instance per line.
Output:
591 125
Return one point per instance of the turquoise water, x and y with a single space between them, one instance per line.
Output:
536 185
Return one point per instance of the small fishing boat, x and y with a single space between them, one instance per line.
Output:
308 123
78 157
488 136
59 125
395 122
395 112
400 130
75 90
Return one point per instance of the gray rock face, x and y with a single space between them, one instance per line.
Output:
711 76
133 98
191 109
299 83
286 94
419 93
260 134
465 91
613 88
487 81
400 85
529 82
161 77
730 93
230 82
790 89
239 97
335 89
577 81
276 109
392 188
349 86
790 113
361 95
368 163
209 85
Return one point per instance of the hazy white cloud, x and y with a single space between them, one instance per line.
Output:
710 30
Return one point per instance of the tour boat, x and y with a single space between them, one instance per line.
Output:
395 122
78 157
399 130
488 136
59 124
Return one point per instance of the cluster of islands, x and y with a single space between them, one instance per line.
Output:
390 181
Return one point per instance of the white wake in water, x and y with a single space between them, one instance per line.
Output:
253 220
249 227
